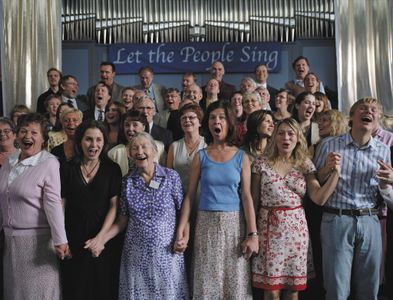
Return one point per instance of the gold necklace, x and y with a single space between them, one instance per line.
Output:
87 173
192 146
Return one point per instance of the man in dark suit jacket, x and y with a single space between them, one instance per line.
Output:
261 75
217 71
101 99
68 91
53 75
147 106
155 91
107 74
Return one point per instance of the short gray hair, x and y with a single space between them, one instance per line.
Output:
147 137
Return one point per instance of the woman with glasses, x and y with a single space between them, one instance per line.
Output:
7 139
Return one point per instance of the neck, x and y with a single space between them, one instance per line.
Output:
90 162
100 107
7 148
305 123
262 144
361 138
191 136
147 172
54 88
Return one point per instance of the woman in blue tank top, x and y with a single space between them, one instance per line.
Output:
225 230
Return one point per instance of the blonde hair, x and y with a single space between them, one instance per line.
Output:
339 122
72 110
368 100
299 154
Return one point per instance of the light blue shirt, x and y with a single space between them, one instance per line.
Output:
358 185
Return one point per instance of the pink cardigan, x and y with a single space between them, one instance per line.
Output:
31 204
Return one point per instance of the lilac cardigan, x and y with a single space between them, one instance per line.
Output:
31 204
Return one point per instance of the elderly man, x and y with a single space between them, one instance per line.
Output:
193 92
350 229
147 106
155 91
53 75
107 75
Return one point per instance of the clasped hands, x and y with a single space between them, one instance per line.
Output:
95 245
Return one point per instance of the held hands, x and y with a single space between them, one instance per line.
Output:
250 246
95 245
333 161
63 251
182 236
384 174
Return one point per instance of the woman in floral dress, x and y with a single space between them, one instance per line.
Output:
280 181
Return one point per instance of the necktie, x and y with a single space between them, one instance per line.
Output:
101 116
69 102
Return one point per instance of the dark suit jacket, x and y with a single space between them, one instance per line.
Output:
115 94
226 91
40 101
159 95
162 134
272 91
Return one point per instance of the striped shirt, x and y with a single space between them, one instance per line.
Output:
357 187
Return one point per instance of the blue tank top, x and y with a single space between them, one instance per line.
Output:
220 182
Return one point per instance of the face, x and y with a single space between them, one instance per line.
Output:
146 78
189 122
251 104
286 140
324 125
213 87
217 71
30 140
101 96
17 115
132 127
265 96
319 106
53 104
237 104
306 108
194 93
142 151
366 117
147 108
70 88
281 100
172 100
187 81
107 75
246 86
127 99
112 116
218 124
301 68
266 127
7 137
261 74
70 122
92 144
53 78
311 83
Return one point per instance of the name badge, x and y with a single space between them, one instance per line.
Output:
154 184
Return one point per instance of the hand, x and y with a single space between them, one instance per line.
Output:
95 245
63 251
385 173
333 161
182 237
250 246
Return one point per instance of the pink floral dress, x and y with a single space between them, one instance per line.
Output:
284 240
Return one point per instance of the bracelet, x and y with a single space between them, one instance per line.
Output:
251 234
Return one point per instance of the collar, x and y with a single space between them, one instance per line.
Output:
158 172
348 140
30 161
97 110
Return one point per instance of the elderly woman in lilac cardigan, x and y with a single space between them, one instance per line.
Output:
32 216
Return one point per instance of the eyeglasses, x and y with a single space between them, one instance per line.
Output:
145 108
185 118
5 131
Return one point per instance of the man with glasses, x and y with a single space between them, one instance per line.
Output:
68 91
147 106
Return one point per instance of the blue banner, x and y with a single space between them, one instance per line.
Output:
194 57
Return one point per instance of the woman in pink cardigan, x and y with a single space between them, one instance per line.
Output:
32 216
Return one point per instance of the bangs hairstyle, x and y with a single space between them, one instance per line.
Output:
255 119
230 117
322 97
131 115
299 153
6 121
339 122
147 137
290 96
368 100
79 134
71 110
37 118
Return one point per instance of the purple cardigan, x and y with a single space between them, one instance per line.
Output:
31 204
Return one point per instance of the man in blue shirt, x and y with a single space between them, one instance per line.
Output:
350 230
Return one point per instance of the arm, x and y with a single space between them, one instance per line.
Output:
108 222
385 176
250 245
169 159
320 194
182 233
